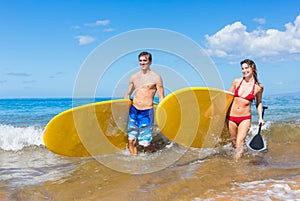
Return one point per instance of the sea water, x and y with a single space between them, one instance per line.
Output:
211 174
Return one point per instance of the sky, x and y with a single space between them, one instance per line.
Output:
62 48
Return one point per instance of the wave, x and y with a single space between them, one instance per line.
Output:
16 138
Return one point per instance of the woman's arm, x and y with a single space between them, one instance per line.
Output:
233 85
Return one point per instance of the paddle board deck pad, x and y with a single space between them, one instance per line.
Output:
195 116
89 130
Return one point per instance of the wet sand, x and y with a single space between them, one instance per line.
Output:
215 178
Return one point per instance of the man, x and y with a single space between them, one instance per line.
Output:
144 84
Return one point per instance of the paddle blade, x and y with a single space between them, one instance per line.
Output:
257 143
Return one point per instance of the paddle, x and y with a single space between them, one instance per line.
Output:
257 143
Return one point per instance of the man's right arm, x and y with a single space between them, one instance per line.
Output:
129 90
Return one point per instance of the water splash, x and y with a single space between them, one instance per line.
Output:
16 138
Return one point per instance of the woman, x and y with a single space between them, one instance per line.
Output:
245 90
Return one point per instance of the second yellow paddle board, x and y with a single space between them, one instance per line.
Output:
194 116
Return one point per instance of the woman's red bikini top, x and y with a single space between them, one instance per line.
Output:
250 97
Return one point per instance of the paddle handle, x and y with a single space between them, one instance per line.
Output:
263 112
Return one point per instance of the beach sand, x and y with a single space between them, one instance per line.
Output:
215 178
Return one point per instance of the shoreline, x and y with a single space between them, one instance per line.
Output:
211 178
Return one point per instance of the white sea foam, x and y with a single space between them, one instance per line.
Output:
254 128
16 138
275 189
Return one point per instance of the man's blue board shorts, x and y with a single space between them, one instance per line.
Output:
140 124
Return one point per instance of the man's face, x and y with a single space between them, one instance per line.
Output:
144 62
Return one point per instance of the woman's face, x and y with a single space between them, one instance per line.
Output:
246 70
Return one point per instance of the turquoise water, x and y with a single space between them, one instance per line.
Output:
282 107
37 112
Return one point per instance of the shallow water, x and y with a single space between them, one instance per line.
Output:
196 175
29 171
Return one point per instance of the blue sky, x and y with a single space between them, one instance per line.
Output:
44 44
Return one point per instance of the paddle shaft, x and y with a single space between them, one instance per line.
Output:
260 125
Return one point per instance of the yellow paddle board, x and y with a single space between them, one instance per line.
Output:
89 130
194 116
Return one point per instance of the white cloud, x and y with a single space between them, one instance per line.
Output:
109 30
29 81
260 20
19 74
76 27
57 74
84 40
234 40
98 23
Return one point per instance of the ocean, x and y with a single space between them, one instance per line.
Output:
29 171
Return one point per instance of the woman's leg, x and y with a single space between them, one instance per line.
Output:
243 130
233 128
